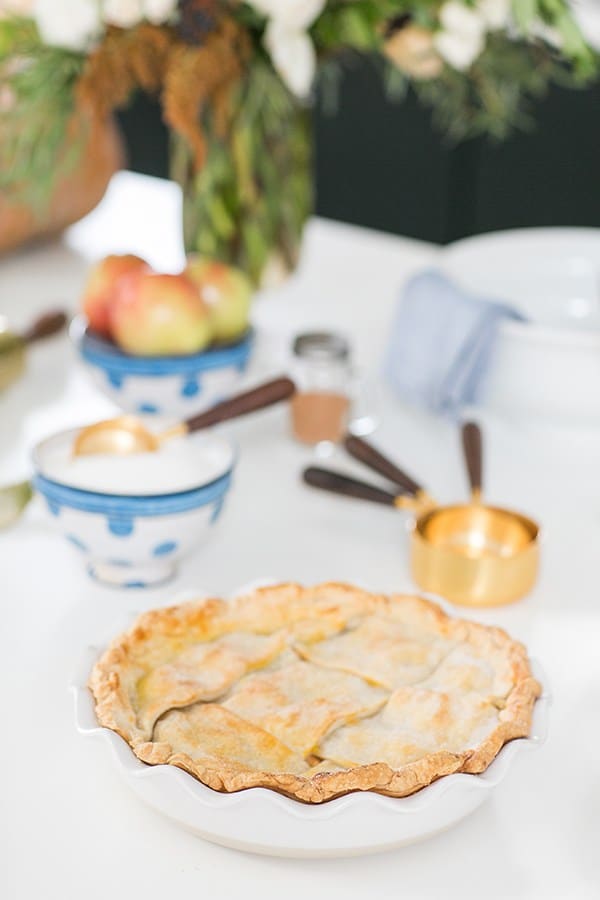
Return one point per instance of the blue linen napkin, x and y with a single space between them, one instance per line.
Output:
441 343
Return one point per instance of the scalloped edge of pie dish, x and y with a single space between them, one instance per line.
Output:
90 724
260 820
286 601
127 761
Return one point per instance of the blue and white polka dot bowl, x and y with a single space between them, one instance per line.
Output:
166 385
131 541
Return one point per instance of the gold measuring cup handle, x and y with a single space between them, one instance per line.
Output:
418 504
336 483
413 497
374 459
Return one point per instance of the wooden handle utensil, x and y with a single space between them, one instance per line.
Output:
258 398
336 483
45 326
472 442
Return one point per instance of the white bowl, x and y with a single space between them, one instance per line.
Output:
132 540
547 367
261 821
163 385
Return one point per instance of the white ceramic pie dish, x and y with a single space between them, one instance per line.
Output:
261 821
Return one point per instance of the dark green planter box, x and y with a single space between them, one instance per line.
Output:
382 165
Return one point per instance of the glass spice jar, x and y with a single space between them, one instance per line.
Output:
321 370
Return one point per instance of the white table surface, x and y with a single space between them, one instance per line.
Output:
69 828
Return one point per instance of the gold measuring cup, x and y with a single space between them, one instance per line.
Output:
471 554
474 554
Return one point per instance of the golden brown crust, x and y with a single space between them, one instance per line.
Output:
315 614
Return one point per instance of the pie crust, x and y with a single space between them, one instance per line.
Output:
315 692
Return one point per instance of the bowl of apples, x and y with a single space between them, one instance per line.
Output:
165 344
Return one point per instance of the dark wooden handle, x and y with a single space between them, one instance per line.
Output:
336 483
260 397
363 451
48 324
473 451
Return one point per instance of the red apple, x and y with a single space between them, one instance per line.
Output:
101 288
159 315
226 291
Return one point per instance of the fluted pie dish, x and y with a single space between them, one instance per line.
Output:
315 692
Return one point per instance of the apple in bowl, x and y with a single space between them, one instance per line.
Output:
171 345
101 287
227 293
160 315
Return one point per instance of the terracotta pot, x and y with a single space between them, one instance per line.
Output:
75 195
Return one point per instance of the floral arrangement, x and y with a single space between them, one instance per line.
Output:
234 80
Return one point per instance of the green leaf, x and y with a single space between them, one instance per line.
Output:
574 44
40 82
525 12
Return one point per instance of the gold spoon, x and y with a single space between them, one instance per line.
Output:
127 434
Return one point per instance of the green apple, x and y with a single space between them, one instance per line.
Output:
160 315
101 288
226 291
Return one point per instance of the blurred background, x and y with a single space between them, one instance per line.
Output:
547 175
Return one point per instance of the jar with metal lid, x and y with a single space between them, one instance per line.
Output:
321 370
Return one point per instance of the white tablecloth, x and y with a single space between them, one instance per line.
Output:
70 829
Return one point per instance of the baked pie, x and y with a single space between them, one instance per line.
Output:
315 692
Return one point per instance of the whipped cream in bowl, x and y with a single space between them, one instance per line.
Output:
133 518
179 465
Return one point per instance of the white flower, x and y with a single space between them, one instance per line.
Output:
457 18
459 50
295 14
287 41
293 56
462 37
127 13
67 23
123 13
496 13
159 11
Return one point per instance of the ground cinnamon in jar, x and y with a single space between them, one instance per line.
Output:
321 371
319 417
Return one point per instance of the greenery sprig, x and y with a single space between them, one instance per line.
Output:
227 47
36 114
